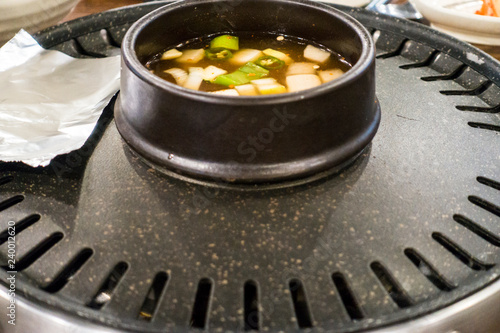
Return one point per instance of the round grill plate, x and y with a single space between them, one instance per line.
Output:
411 227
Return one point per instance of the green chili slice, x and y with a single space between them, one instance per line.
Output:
219 56
270 62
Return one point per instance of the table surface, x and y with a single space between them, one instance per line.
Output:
87 7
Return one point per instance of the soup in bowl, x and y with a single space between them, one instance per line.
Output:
250 65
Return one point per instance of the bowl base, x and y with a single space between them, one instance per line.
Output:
280 184
255 181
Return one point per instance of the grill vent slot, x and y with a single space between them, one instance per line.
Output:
478 230
99 45
348 299
485 205
489 182
251 311
5 180
199 316
38 251
79 48
484 126
302 313
11 202
427 62
446 77
397 293
20 226
428 270
117 32
148 308
471 92
460 253
104 294
394 53
479 109
69 271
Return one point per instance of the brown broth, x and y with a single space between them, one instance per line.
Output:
292 46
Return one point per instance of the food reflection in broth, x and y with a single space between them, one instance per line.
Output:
248 64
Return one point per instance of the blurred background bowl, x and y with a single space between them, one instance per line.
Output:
31 15
458 18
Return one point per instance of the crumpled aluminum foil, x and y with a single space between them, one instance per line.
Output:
49 101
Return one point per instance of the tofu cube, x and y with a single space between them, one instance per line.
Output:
179 75
245 55
298 68
194 79
171 54
329 75
196 71
211 72
246 90
315 54
226 92
302 82
268 80
191 56
274 88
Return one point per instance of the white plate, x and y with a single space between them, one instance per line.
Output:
352 3
458 18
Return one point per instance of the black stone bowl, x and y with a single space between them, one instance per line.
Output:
256 139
